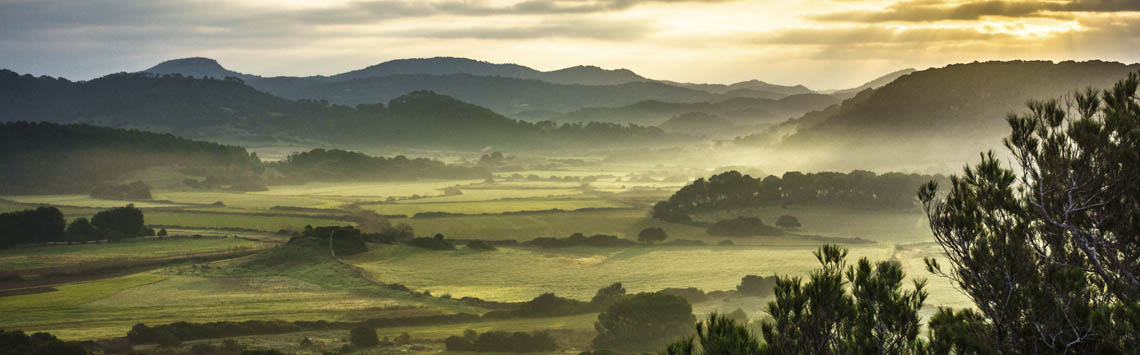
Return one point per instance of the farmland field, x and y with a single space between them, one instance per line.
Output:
67 255
491 207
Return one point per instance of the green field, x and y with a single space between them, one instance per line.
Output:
82 201
491 207
247 200
624 223
57 256
238 221
366 190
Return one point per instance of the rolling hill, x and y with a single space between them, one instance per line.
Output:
739 110
954 111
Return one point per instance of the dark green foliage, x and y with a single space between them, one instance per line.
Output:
205 348
752 285
185 331
577 239
434 243
137 190
119 222
43 224
1048 250
643 322
691 294
857 189
652 235
363 337
336 164
81 230
15 342
606 296
718 335
344 241
162 232
500 341
743 227
54 158
481 245
787 221
141 334
166 339
840 310
545 305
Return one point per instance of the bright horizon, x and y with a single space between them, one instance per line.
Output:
830 44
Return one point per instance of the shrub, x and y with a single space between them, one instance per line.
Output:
743 227
165 338
434 243
787 221
204 348
691 294
363 336
577 239
17 342
500 341
652 235
752 285
606 296
481 245
119 222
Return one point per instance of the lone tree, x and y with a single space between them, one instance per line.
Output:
1050 251
787 221
643 322
652 235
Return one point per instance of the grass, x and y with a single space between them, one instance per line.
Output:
625 223
288 283
57 256
237 221
82 201
514 274
898 226
371 190
249 200
491 207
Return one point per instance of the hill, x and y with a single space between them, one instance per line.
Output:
197 67
954 110
698 123
873 84
53 158
740 110
230 111
582 75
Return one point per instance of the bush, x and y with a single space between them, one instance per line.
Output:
753 285
577 239
165 338
481 245
17 342
692 294
363 337
743 227
500 341
787 221
606 296
643 322
652 235
137 190
545 305
204 348
434 243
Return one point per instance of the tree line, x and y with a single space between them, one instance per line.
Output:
47 224
857 189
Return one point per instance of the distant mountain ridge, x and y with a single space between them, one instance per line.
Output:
230 111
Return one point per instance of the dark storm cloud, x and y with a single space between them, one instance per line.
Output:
936 10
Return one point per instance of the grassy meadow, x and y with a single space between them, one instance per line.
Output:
281 283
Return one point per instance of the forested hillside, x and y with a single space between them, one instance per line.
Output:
46 157
740 110
961 102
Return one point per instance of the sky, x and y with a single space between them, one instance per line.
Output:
824 44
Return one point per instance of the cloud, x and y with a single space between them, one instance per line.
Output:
580 29
938 10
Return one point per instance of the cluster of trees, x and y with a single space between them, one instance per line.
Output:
642 322
46 224
343 241
578 239
336 164
743 227
15 342
857 189
434 243
652 235
500 341
1047 253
